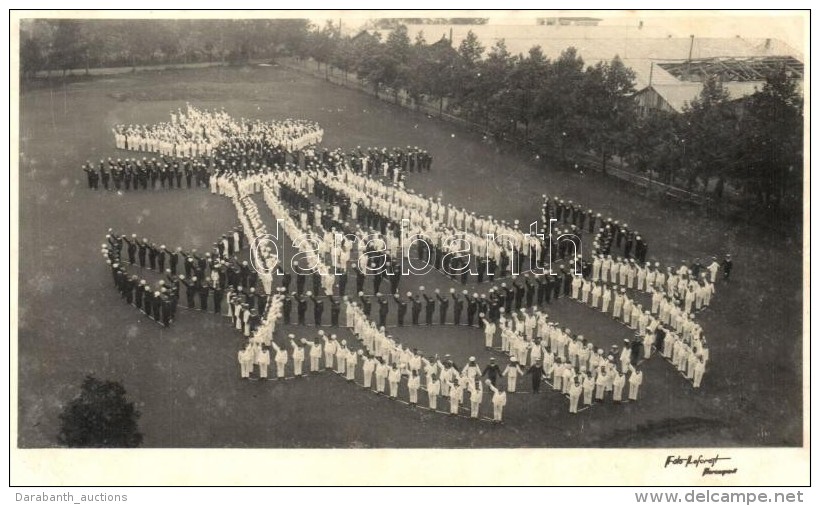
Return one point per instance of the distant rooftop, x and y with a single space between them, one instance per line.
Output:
648 50
682 93
639 47
734 69
568 21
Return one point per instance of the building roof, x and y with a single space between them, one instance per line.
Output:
754 68
638 47
679 94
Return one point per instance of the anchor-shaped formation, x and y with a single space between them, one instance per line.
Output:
348 214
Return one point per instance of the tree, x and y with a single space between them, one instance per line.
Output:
466 72
490 100
559 126
321 43
32 57
656 147
609 107
710 136
470 50
771 142
395 60
69 45
367 54
527 78
100 417
437 71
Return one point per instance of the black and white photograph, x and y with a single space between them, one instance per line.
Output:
578 232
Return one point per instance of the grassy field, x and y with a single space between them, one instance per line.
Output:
185 380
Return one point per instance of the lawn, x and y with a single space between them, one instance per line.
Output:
185 380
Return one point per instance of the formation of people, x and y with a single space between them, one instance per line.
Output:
135 174
378 364
199 132
216 281
517 334
359 195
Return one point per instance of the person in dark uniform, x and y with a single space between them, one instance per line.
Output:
492 268
536 372
492 371
89 171
383 309
252 277
132 283
727 267
204 291
143 177
148 301
300 282
359 280
138 293
458 306
261 302
518 294
493 309
342 281
316 280
443 305
131 248
541 290
377 281
287 305
173 259
318 308
482 268
550 291
251 300
104 174
190 290
152 256
335 309
301 308
567 283
128 177
508 296
401 308
416 309
286 276
429 307
472 307
218 294
505 262
635 348
394 278
160 258
660 335
366 304
142 251
529 287
165 306
483 309
558 283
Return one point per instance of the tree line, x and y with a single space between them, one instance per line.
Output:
567 110
562 108
66 44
